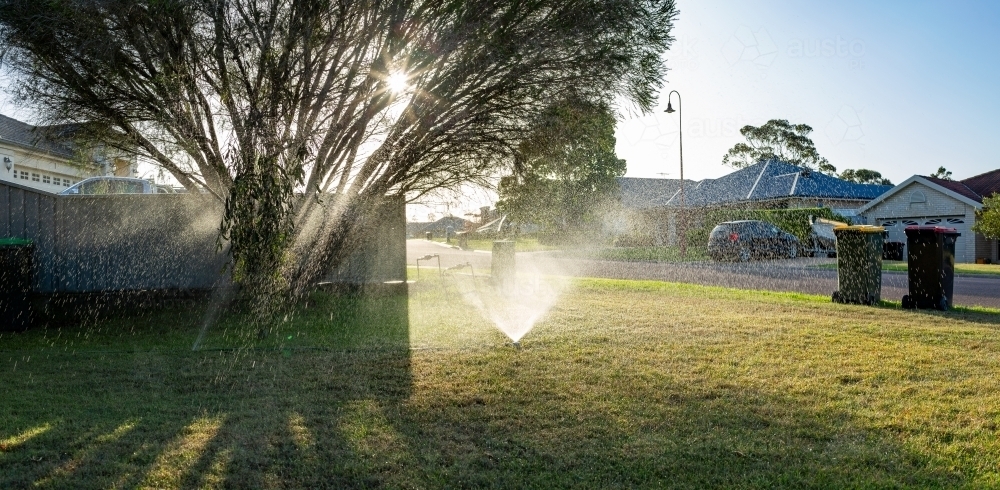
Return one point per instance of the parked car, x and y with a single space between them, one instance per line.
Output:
99 186
750 239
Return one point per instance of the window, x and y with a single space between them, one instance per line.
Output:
24 175
46 179
65 182
935 221
955 221
907 222
890 223
34 177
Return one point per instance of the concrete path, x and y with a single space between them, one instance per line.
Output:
796 275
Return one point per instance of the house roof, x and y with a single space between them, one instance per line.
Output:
56 140
956 186
984 184
774 179
959 192
441 225
640 193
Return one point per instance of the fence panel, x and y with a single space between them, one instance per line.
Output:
159 242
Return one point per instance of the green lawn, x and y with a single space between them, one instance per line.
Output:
897 266
623 384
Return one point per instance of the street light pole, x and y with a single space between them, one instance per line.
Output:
680 137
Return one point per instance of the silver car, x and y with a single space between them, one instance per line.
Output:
100 186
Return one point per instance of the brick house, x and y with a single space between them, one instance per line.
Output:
49 159
922 200
768 184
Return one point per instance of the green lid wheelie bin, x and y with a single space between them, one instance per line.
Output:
859 264
16 272
930 260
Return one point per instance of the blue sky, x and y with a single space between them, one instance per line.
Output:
897 87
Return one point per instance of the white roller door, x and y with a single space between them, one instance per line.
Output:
963 253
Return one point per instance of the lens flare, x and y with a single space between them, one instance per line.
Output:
397 82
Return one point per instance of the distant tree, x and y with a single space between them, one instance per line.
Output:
864 176
566 170
942 173
778 139
988 220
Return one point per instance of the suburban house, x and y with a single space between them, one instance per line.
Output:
47 158
773 184
776 184
643 212
922 200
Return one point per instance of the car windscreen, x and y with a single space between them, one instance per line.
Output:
108 186
720 231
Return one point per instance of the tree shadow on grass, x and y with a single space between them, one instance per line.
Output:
349 412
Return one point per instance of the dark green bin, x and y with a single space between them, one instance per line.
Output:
16 273
859 264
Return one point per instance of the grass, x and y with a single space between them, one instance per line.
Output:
624 384
972 269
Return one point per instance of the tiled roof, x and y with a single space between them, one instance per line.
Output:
639 193
774 179
984 184
56 140
957 187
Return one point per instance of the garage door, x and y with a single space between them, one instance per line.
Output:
895 229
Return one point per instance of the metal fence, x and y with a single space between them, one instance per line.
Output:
157 242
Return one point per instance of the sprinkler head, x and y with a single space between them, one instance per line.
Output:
517 345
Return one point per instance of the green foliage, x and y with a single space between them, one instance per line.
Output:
566 170
864 176
988 220
794 221
942 173
777 139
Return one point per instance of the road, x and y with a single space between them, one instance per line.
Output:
776 275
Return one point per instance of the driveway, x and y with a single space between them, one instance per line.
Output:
774 275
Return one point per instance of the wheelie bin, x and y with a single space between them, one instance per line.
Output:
893 251
930 262
16 272
859 264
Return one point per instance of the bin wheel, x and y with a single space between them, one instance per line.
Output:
743 255
908 302
871 300
836 297
943 304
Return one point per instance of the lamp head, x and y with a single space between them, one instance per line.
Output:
670 108
8 163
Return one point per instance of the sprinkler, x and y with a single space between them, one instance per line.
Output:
517 344
429 257
462 266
